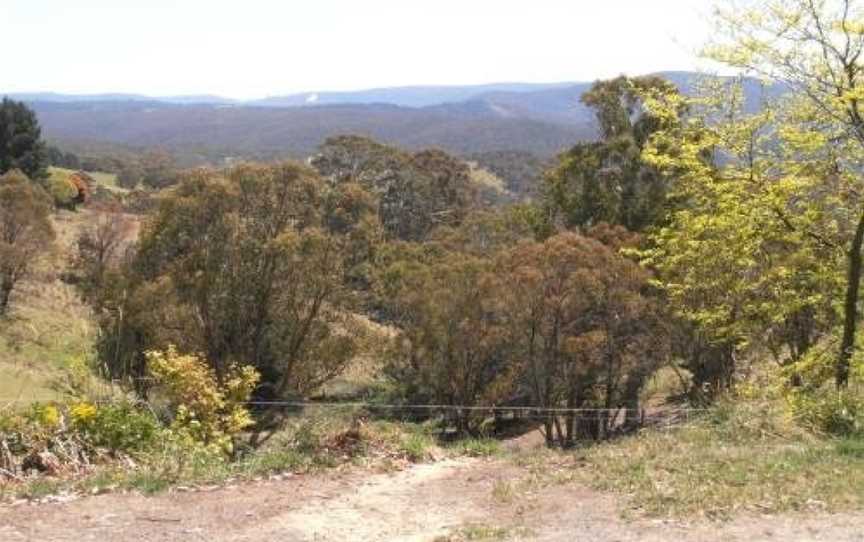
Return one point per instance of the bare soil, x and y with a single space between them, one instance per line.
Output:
440 501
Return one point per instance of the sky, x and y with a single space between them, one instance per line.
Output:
255 48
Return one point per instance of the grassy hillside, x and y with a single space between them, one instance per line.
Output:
48 327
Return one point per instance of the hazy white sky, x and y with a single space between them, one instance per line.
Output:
256 48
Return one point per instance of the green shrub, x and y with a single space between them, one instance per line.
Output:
44 416
62 190
118 427
205 410
816 403
178 457
828 410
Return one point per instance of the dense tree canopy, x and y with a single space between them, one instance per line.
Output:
583 326
607 180
564 323
773 226
415 192
237 265
21 145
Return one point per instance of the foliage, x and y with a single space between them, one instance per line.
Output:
21 145
158 169
62 191
99 251
59 439
489 317
607 181
580 321
238 265
814 48
205 409
351 213
58 158
520 170
26 232
415 192
453 347
752 257
815 403
487 232
44 415
119 427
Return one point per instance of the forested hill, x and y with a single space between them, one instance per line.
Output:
297 131
540 119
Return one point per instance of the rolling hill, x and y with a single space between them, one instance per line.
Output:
298 131
542 119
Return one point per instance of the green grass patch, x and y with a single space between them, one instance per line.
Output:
851 448
39 488
147 482
417 447
720 465
476 447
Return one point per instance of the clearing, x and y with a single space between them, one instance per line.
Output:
450 500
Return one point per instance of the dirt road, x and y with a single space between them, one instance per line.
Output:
436 501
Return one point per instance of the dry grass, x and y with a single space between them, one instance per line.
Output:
48 324
737 457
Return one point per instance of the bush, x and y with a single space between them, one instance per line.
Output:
63 192
204 410
816 403
44 416
117 427
828 410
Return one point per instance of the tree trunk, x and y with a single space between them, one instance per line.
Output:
632 389
713 369
570 421
548 430
5 294
850 307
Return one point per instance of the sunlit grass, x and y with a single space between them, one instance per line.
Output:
717 466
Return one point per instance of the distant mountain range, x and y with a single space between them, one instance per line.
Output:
54 97
416 96
409 96
539 118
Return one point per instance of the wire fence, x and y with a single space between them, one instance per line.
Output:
658 417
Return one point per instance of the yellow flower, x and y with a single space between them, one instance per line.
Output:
82 412
47 415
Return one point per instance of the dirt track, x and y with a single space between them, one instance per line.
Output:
423 503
